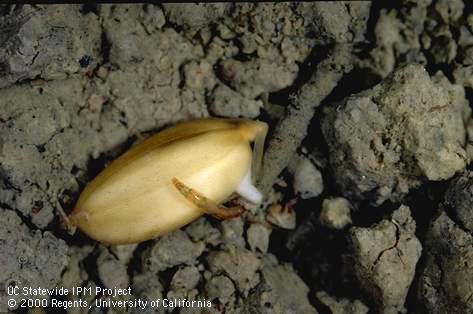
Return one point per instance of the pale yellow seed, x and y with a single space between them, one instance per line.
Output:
134 199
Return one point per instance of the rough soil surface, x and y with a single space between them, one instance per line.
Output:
367 177
445 282
385 257
385 140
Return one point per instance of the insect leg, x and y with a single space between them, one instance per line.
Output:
207 205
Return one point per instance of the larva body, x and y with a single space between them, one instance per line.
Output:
134 199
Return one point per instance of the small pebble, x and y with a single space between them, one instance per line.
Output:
335 213
308 182
258 237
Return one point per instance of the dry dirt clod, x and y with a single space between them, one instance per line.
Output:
384 259
385 140
445 282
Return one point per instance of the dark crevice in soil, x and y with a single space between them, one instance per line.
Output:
446 69
165 277
90 266
105 47
77 239
469 97
241 56
182 76
89 8
24 219
28 80
453 215
319 306
168 24
95 166
135 265
424 203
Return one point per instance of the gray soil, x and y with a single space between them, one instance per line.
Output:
367 177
